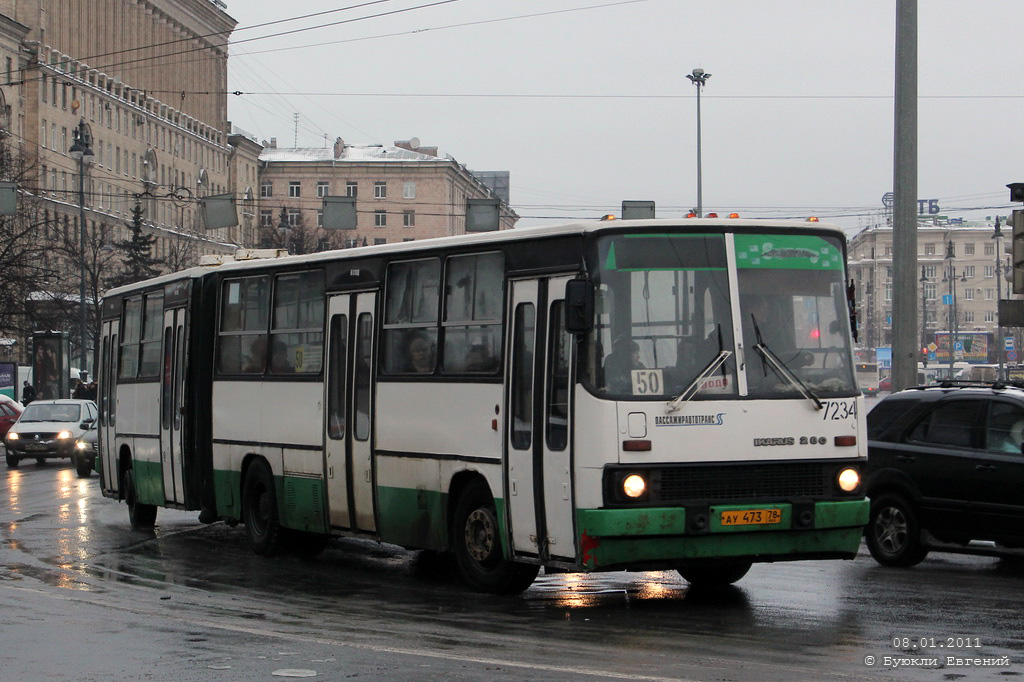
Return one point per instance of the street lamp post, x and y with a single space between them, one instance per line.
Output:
82 153
998 236
700 79
950 276
924 309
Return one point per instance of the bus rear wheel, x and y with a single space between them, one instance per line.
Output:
713 573
259 509
476 538
142 516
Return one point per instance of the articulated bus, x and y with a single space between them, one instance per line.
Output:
606 395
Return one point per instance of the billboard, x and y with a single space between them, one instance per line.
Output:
968 347
9 379
51 365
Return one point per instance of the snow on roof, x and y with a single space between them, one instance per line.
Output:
352 152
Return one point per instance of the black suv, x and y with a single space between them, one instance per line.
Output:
945 468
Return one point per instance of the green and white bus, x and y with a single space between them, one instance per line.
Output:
606 395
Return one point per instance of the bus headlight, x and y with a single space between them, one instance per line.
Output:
634 486
63 435
849 480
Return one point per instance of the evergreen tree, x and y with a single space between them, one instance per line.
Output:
139 263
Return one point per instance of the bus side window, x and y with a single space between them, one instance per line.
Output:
336 382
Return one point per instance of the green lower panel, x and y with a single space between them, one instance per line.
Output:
300 500
227 487
149 482
621 537
412 517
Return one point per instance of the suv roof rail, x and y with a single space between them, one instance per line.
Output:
961 383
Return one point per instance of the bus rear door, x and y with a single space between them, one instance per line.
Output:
348 460
171 390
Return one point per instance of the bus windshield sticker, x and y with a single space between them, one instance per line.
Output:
787 252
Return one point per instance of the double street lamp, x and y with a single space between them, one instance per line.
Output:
82 153
954 326
700 79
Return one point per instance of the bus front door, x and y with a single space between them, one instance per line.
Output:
348 460
107 394
539 493
171 390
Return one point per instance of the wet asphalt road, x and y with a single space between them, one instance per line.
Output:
83 597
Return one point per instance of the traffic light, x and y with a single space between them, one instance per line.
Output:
1016 191
1017 220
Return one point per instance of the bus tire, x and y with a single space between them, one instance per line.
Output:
141 516
713 572
259 509
476 538
893 535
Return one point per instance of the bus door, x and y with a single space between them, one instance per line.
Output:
348 461
539 490
171 391
107 395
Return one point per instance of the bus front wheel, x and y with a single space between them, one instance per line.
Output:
476 538
142 516
259 509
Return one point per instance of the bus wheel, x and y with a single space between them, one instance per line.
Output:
713 573
259 509
140 515
893 534
477 541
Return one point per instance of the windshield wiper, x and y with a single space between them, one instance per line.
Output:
780 368
692 389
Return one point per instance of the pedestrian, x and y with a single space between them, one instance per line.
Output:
28 393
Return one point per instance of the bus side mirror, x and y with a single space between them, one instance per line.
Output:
579 308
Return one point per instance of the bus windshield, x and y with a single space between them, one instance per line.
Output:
793 304
664 314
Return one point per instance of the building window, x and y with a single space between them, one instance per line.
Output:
266 218
266 189
969 316
294 217
319 218
968 294
321 189
929 249
377 241
990 316
969 249
44 135
990 249
969 271
408 190
408 218
380 190
990 294
888 249
888 292
294 189
990 271
929 271
380 218
929 292
351 189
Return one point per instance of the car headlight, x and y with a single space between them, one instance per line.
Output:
81 445
12 436
849 480
63 435
634 486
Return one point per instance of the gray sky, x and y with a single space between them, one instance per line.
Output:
797 116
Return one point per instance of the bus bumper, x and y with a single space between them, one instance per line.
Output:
658 536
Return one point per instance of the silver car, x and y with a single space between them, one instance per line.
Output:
48 429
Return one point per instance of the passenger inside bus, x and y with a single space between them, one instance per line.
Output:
421 356
624 358
257 355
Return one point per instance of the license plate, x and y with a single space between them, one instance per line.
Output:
751 517
35 446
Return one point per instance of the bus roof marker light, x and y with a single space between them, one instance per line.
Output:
734 215
608 216
812 219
